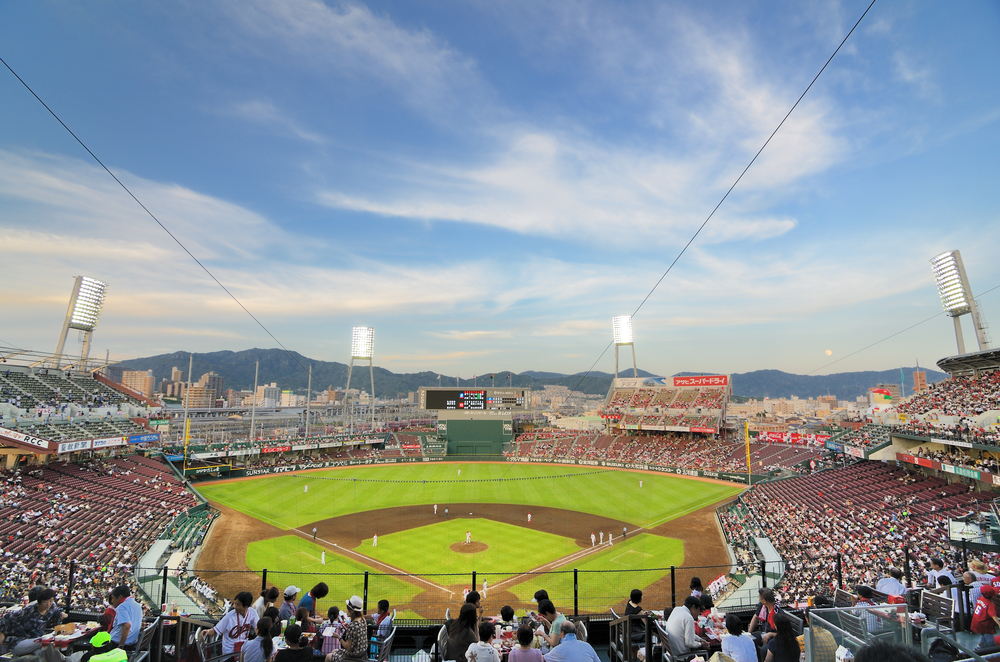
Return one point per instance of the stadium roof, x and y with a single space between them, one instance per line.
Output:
968 364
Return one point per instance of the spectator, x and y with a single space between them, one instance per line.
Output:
633 608
272 613
297 648
482 650
354 641
462 632
473 598
318 592
302 619
107 619
266 599
103 650
382 619
260 648
550 620
984 616
740 644
237 624
333 628
507 616
680 629
783 647
764 615
128 618
288 608
571 649
696 587
523 652
20 628
824 646
893 584
938 570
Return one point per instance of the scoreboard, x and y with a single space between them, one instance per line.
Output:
475 399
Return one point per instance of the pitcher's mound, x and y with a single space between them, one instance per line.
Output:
470 548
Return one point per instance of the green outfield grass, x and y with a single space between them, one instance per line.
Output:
425 550
281 500
291 560
640 554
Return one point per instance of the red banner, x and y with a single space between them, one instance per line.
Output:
704 430
275 449
410 446
703 380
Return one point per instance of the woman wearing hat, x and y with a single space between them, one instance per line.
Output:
354 641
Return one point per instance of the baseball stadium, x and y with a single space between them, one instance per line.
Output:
148 516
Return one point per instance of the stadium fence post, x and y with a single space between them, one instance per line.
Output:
69 585
906 566
364 598
163 593
473 580
965 553
763 573
576 593
649 637
840 573
263 580
673 586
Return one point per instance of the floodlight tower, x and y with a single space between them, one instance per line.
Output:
362 348
622 326
83 314
956 296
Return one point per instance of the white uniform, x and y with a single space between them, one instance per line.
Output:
602 537
435 509
484 587
468 537
529 518
375 540
593 539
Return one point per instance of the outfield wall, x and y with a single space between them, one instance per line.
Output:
208 472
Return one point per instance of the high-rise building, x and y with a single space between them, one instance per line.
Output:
212 381
200 397
268 396
176 375
140 381
289 399
919 381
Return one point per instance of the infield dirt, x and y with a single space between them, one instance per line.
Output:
226 547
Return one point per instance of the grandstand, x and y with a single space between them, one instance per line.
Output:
680 404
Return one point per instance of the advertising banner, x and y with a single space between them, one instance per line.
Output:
275 449
410 447
108 442
704 430
703 380
952 442
834 446
794 438
37 442
676 428
144 438
73 446
854 451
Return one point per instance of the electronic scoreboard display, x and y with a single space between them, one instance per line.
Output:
475 399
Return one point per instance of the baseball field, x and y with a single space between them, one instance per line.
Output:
420 531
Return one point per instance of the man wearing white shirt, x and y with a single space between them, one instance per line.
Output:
236 624
680 628
893 584
938 570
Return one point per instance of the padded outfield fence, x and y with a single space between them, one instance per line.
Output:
429 596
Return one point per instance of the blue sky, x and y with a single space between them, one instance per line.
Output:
487 184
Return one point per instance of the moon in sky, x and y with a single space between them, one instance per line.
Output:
829 352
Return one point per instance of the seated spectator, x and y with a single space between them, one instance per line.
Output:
266 599
128 618
272 613
680 629
19 629
982 573
739 645
354 641
482 650
332 629
696 587
318 592
893 584
824 646
984 616
764 615
302 619
297 648
571 649
382 619
783 647
550 620
473 598
103 650
507 616
288 608
524 652
462 632
236 625
938 569
260 648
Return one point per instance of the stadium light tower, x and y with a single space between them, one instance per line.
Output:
956 296
363 349
622 327
83 314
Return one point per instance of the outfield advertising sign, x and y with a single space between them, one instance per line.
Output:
144 438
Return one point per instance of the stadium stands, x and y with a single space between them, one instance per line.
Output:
866 512
961 396
870 434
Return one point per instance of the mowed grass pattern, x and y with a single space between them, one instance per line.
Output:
291 560
426 550
647 557
281 500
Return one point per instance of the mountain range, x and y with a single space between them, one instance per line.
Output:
289 370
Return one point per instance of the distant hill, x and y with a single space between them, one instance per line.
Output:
237 368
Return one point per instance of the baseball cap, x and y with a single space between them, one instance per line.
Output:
356 603
100 639
291 590
988 591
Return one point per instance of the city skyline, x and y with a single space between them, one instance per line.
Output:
490 186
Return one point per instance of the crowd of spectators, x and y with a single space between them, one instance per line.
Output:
959 396
866 512
869 434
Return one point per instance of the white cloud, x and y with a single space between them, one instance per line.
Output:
265 113
908 69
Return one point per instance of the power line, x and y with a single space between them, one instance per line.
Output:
730 190
878 342
151 215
